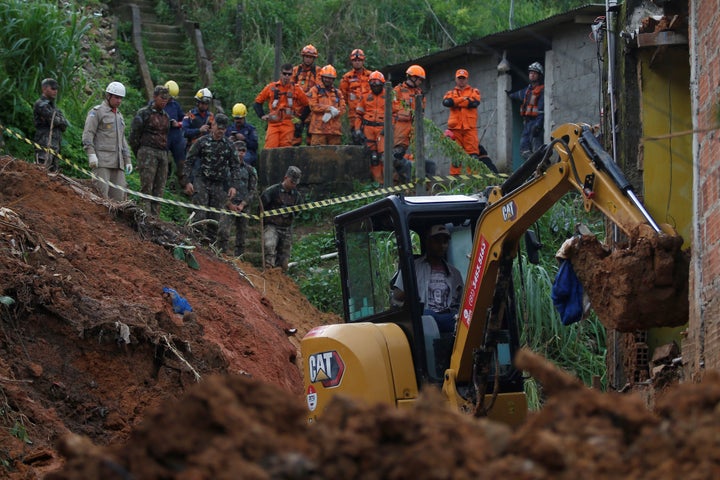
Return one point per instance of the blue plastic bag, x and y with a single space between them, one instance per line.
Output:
567 294
180 305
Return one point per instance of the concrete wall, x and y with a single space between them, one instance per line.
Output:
701 348
572 93
573 86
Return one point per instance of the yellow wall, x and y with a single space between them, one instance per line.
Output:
667 175
665 109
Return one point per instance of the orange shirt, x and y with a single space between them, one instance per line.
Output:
462 116
279 98
354 85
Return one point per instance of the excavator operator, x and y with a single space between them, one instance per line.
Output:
439 283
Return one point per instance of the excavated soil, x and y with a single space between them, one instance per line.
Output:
216 394
638 286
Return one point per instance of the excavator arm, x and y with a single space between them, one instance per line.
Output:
573 160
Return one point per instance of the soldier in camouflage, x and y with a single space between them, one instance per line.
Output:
277 234
50 123
148 141
210 176
246 193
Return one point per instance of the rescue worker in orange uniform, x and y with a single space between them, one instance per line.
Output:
354 85
403 112
369 124
463 101
305 76
284 99
326 106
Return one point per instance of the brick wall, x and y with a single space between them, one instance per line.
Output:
701 349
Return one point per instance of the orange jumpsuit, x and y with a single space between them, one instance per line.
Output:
305 77
354 85
370 118
280 125
320 99
403 111
462 120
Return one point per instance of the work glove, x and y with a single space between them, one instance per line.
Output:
508 92
128 169
92 160
334 112
326 117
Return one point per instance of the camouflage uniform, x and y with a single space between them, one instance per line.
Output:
212 168
277 234
148 141
48 118
246 186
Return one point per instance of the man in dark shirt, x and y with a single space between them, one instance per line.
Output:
277 232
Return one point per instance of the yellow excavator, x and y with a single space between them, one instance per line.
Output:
386 351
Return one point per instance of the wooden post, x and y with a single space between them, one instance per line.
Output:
388 129
419 147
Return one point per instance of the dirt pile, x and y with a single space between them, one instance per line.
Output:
233 427
86 278
637 286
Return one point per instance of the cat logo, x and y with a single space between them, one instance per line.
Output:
326 368
509 211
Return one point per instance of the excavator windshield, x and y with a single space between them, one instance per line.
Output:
380 247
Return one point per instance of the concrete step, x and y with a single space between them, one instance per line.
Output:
161 28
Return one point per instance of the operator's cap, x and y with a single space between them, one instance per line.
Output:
49 82
222 120
462 73
439 230
240 145
293 173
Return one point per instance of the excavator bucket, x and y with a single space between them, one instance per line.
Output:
636 286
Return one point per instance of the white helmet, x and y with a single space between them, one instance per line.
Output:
116 88
536 67
203 95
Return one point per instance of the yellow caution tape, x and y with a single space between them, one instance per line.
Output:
269 213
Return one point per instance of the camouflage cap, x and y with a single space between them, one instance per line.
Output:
240 145
161 91
222 120
293 173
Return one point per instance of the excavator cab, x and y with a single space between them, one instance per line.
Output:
377 243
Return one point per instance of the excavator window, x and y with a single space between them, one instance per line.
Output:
372 261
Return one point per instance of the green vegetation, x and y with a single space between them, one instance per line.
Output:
41 39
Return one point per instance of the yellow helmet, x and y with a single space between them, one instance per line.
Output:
173 88
239 110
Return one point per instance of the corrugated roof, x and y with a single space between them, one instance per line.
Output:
537 34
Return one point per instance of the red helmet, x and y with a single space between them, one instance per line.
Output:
328 71
376 76
309 50
357 54
415 71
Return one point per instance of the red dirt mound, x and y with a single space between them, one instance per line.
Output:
234 427
87 276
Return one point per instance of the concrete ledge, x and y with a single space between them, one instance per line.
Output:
326 169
